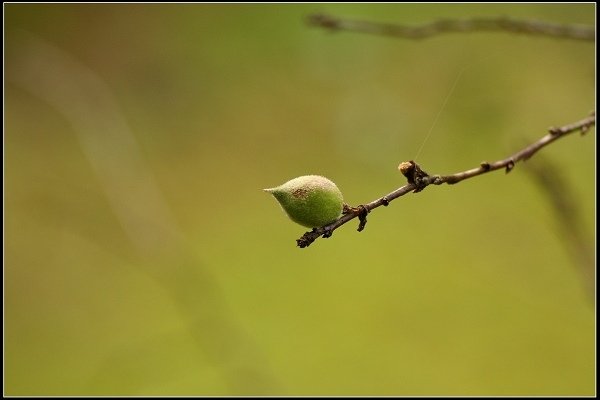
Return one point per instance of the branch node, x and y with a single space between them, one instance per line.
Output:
509 166
346 209
414 175
385 201
436 180
362 217
360 212
485 166
554 130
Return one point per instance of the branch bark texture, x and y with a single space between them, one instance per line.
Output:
419 179
443 26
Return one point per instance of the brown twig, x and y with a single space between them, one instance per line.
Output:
419 179
498 24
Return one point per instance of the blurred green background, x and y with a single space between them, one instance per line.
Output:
142 257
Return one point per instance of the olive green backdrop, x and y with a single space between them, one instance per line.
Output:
143 258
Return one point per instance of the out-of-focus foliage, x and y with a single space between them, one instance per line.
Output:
143 258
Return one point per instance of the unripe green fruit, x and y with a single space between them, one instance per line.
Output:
311 201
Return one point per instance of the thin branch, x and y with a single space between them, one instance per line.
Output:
419 179
560 195
498 24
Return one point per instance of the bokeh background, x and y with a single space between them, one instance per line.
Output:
142 257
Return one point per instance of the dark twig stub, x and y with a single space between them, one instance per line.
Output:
414 174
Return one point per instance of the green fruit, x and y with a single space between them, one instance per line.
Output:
311 201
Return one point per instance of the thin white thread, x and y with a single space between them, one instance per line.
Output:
437 117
